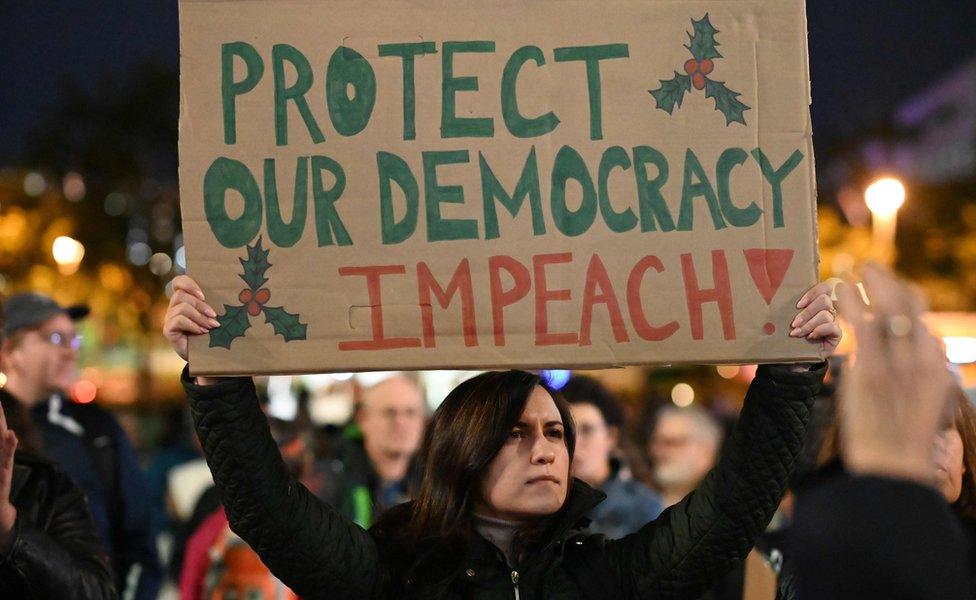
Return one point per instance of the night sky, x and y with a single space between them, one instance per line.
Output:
867 56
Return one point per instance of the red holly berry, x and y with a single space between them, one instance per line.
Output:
253 308
691 66
263 295
706 66
698 80
244 296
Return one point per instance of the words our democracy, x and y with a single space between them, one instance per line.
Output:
349 114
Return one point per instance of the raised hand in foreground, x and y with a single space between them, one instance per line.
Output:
895 395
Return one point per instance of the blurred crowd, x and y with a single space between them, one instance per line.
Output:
162 531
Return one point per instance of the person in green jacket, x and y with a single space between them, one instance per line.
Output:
497 514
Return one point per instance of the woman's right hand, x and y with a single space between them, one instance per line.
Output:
188 314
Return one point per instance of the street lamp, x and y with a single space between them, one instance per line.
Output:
67 252
884 197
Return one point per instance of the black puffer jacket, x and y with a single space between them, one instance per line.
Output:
55 552
319 554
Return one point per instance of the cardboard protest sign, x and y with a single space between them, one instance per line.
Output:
433 184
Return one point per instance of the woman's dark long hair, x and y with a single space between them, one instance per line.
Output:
465 434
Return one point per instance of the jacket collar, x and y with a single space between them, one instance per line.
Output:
582 499
568 522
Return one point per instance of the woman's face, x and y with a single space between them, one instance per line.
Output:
949 466
529 476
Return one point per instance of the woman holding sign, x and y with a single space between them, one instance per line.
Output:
497 514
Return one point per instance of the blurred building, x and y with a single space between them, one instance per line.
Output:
929 140
936 141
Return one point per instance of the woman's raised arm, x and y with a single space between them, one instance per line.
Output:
304 541
691 544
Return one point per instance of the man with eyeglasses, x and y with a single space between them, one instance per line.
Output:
39 356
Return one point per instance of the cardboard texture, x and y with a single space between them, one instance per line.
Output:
429 184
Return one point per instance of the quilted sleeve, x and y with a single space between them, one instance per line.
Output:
304 541
691 544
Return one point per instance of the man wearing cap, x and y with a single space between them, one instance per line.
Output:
39 351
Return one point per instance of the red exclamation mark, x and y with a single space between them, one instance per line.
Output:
768 269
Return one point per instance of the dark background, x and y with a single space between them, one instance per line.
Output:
866 56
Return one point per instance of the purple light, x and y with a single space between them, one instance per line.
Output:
556 378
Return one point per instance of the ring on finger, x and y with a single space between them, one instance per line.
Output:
897 326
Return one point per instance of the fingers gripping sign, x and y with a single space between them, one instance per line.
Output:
817 320
188 314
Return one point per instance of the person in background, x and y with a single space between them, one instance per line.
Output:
217 563
39 354
955 462
683 447
369 471
177 447
48 544
880 528
600 462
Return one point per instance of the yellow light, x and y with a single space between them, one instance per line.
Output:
93 375
68 253
843 263
727 371
885 196
960 350
13 225
682 395
3 379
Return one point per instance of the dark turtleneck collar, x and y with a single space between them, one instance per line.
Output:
567 522
500 532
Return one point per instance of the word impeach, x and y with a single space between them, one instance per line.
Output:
652 211
512 281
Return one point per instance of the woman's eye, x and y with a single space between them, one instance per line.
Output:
516 434
556 433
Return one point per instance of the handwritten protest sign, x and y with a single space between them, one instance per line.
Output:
385 185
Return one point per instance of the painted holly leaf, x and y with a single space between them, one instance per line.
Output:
233 323
703 42
255 266
671 92
285 323
726 101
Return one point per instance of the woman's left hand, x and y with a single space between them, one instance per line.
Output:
817 319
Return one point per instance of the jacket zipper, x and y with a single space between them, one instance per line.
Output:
515 578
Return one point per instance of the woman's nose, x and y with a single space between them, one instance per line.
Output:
544 458
543 453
